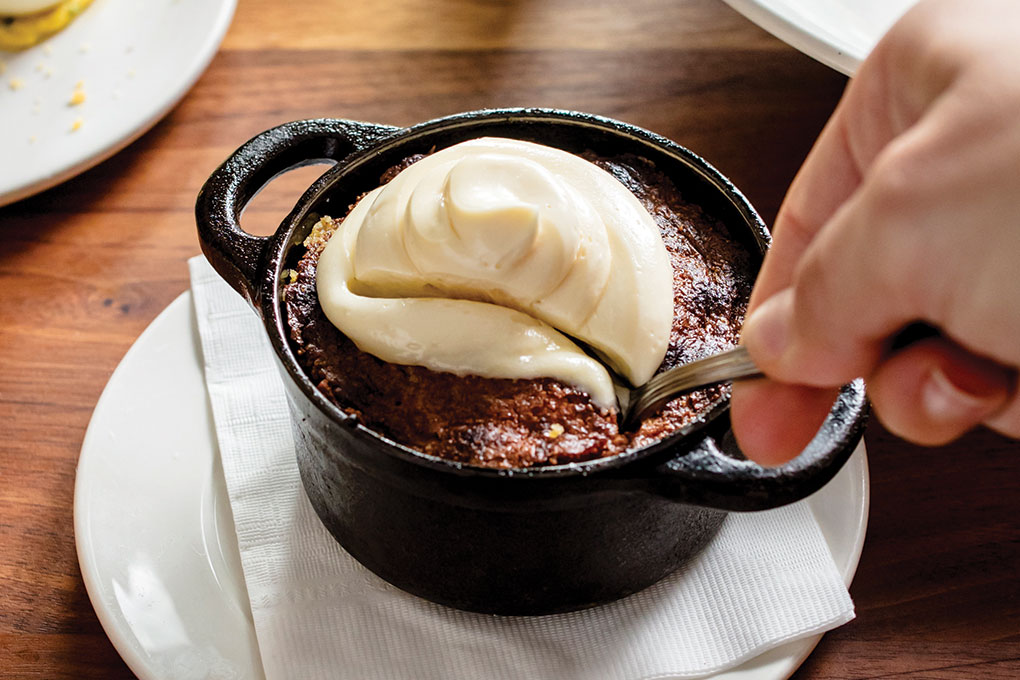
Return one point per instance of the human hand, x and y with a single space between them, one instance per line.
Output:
907 209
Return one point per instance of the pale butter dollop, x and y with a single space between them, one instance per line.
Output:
482 257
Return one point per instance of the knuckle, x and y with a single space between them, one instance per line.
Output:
892 184
900 243
792 226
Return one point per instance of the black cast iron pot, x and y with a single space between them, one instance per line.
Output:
530 541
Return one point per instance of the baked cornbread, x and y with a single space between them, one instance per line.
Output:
520 423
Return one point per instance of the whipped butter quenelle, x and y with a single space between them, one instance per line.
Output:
479 303
486 257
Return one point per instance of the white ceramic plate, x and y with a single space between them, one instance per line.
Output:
156 538
838 33
134 60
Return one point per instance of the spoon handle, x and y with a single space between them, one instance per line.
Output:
729 365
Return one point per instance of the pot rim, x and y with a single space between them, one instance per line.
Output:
273 265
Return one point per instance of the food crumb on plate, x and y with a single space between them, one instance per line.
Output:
16 84
76 125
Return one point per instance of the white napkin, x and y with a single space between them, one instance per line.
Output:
767 578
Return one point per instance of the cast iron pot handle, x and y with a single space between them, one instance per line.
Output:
234 253
713 473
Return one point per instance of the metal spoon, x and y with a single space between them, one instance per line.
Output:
729 365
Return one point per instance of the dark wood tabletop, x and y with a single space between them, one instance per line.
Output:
86 266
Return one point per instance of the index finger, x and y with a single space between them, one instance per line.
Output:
855 134
832 172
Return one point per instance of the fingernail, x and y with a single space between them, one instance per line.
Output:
944 401
766 331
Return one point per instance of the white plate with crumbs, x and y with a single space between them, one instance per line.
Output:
156 541
838 33
90 90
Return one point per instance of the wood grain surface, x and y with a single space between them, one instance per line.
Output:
86 266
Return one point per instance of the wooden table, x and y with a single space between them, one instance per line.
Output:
87 265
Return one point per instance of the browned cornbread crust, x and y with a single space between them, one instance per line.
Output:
521 423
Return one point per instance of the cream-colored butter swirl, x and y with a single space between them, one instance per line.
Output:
482 257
